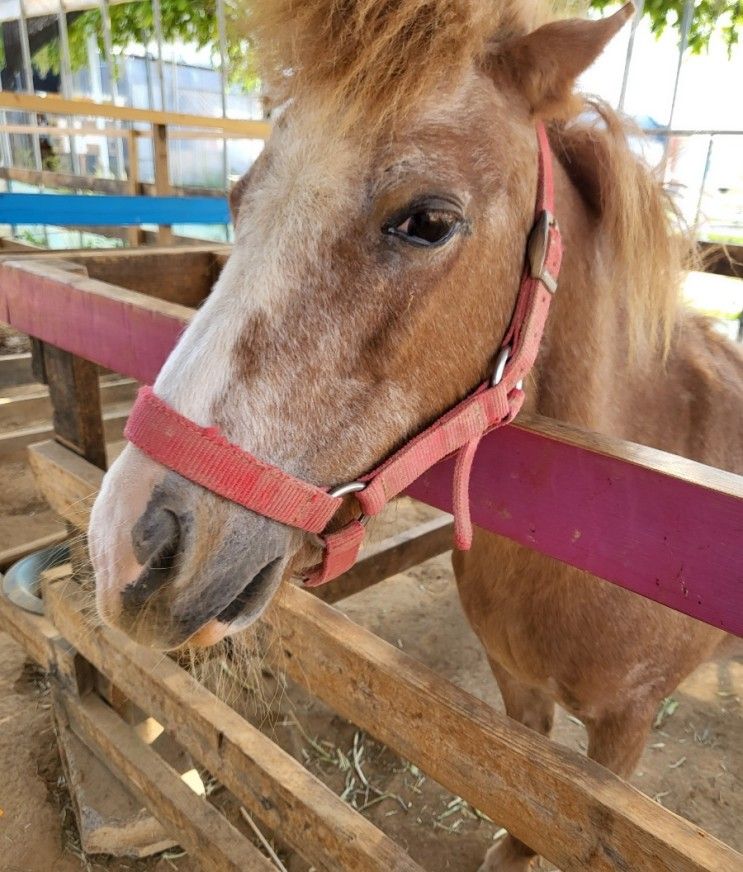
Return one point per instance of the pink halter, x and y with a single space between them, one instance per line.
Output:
204 456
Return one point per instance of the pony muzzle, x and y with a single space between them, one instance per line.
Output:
179 563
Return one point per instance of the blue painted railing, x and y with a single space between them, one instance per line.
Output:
81 209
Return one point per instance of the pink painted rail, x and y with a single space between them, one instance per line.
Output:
122 330
662 526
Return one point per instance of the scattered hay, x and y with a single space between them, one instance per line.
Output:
667 708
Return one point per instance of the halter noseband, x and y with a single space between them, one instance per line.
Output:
204 456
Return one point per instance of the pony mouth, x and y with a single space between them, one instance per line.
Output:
252 595
237 615
243 609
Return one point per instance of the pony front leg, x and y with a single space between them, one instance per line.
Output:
617 740
509 855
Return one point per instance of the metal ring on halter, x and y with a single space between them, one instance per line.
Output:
500 368
350 487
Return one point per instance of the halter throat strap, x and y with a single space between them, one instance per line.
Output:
204 456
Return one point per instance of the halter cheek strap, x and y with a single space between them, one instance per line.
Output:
204 456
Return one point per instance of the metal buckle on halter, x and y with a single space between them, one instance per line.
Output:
500 368
537 249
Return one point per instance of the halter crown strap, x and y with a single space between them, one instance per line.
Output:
490 406
204 456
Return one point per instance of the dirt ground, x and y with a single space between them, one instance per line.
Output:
693 763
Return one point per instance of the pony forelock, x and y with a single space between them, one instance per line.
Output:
369 62
366 65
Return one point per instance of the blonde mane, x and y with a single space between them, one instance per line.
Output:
647 249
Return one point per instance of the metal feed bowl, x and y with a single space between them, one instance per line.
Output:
21 582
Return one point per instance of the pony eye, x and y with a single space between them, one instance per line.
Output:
425 226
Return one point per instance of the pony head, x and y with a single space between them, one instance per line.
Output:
379 244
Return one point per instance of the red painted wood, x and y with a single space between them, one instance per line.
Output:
653 525
667 538
127 332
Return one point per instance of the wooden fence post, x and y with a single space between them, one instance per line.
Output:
74 393
135 235
162 175
75 397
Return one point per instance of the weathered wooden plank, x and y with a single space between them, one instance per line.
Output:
15 369
54 105
148 237
13 245
13 445
115 327
34 633
134 235
573 811
108 818
273 786
162 177
68 482
113 132
41 641
11 555
49 179
77 422
198 826
390 556
183 274
22 406
74 393
65 132
69 670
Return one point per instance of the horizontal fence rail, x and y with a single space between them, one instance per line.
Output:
52 105
49 179
575 812
125 214
74 210
657 524
56 131
272 785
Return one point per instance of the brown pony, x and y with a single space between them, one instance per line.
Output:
379 243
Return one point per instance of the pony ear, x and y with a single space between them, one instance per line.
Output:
544 64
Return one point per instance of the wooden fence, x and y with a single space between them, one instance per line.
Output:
140 202
567 807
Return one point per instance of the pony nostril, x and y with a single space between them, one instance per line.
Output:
156 540
156 531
